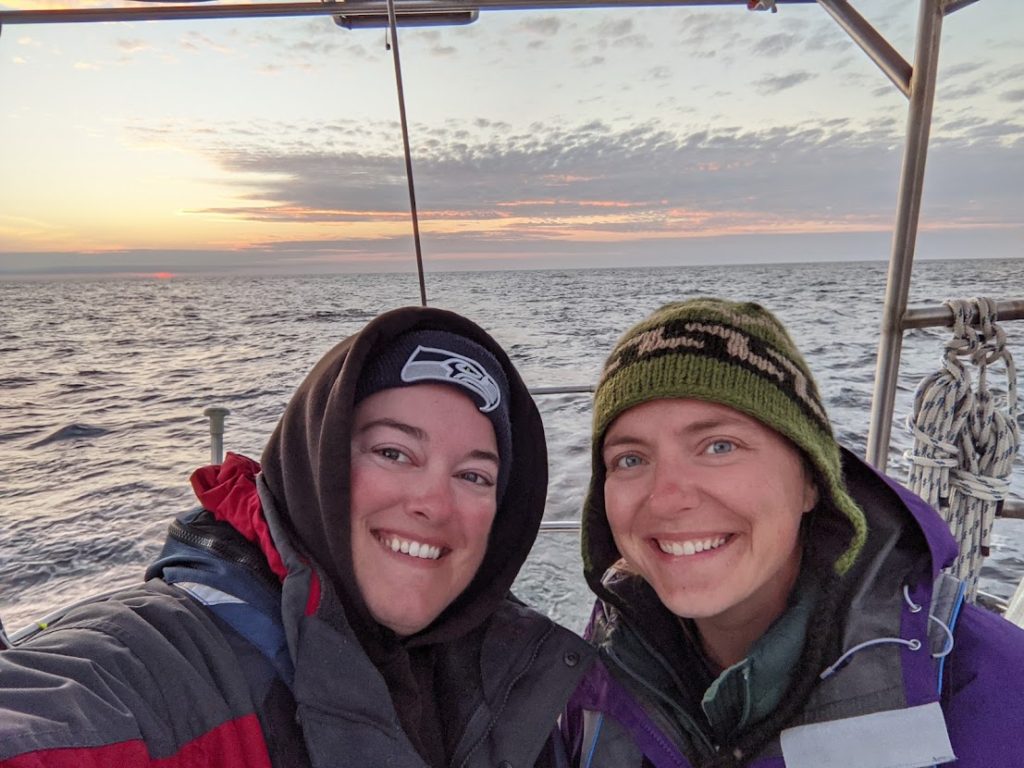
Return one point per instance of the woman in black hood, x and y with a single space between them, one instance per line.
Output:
346 603
437 674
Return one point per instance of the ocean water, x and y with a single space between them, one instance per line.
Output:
103 385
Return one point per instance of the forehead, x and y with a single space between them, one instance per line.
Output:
422 405
679 414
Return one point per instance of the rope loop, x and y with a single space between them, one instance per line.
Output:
965 435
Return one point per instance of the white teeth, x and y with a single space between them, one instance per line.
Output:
411 548
685 548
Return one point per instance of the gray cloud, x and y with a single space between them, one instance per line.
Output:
778 83
134 45
615 28
547 26
985 79
826 35
963 68
196 41
777 44
636 41
832 172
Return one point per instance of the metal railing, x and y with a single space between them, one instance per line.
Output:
930 317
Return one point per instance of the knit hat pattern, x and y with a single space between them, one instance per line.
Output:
738 355
443 357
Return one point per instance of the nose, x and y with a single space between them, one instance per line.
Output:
674 488
430 496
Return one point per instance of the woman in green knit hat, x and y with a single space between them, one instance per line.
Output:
764 597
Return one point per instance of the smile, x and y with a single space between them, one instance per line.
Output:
410 547
691 547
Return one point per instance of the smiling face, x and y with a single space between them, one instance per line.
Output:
424 467
705 503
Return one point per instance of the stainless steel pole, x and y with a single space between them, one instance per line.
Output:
908 210
216 415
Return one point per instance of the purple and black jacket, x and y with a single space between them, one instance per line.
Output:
902 684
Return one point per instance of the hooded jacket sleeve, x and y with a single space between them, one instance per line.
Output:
139 679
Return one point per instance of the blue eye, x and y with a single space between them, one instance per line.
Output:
627 461
718 447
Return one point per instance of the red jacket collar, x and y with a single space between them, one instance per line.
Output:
228 490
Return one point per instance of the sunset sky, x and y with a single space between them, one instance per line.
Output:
570 139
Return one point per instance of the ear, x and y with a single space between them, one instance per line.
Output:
811 495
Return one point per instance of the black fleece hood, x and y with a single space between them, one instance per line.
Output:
306 466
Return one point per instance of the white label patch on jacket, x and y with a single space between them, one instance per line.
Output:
902 738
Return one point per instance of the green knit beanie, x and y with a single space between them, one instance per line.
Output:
736 354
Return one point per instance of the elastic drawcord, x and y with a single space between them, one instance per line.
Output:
949 638
914 607
914 645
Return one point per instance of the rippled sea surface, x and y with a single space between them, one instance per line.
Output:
103 385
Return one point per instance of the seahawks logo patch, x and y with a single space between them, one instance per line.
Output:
429 364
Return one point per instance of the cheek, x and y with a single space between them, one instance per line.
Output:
618 509
480 524
783 525
477 519
370 486
360 473
361 507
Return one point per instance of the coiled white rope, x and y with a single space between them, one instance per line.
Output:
964 445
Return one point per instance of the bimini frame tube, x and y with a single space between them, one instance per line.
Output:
908 211
354 10
873 44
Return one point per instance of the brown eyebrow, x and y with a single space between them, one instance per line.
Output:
485 456
401 426
715 423
620 440
419 434
693 427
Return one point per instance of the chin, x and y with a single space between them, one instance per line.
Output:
691 604
405 623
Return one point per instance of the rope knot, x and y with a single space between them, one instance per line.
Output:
964 445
